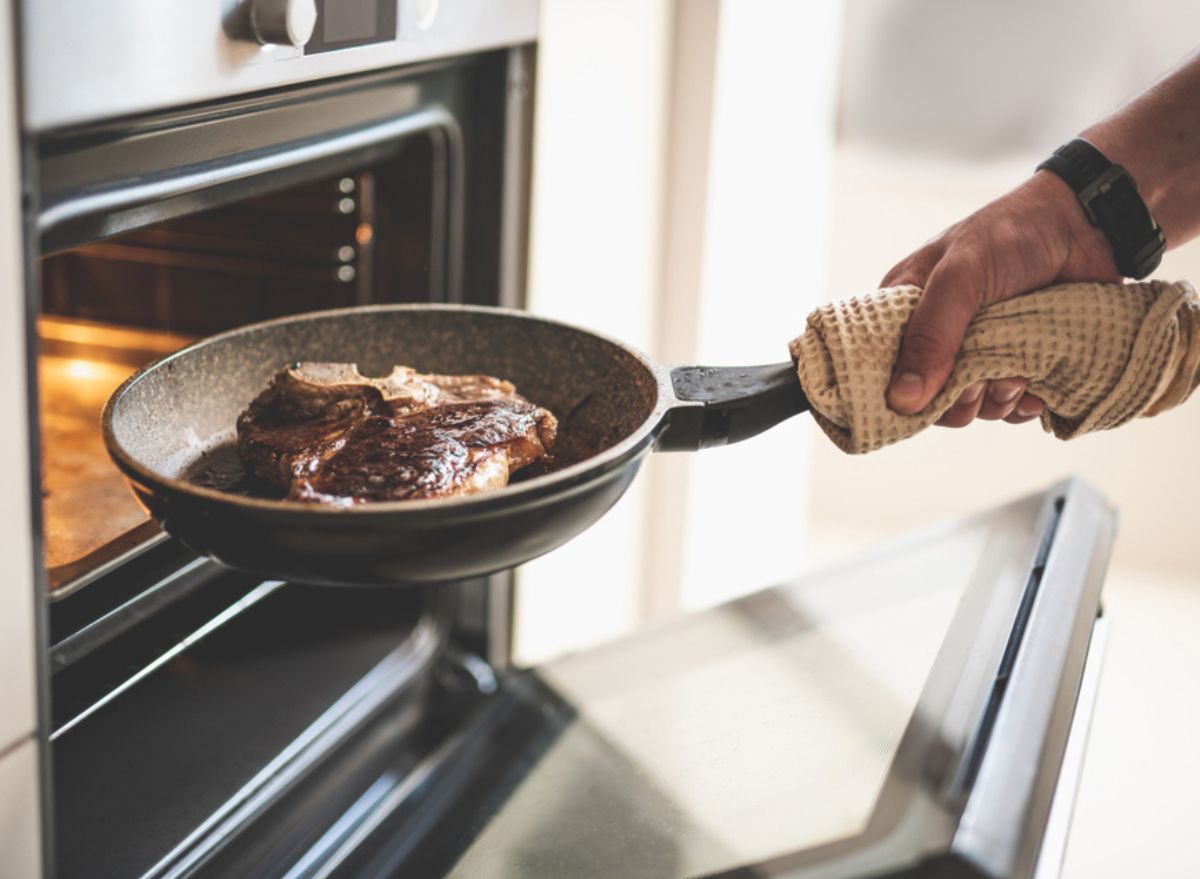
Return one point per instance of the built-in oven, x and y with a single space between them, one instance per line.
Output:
199 720
193 167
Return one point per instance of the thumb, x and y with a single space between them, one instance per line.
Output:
933 336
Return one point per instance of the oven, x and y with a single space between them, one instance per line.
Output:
193 167
199 720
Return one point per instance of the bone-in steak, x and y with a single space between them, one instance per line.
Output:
324 432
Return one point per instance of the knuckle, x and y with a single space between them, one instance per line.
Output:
907 271
916 268
924 343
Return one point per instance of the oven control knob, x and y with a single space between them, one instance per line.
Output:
283 22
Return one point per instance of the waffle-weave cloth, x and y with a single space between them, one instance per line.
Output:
1099 355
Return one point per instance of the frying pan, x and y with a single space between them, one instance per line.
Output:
614 405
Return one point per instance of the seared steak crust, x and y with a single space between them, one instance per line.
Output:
325 433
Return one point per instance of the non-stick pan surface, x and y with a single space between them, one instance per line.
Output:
613 404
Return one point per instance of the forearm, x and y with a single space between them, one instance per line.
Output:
1157 138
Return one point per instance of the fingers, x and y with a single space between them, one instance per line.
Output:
1019 242
1001 398
965 409
1028 408
935 332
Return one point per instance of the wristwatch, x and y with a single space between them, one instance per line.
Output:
1110 200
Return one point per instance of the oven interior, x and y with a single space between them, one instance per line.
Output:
110 307
190 702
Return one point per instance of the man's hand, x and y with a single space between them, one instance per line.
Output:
1038 235
1034 236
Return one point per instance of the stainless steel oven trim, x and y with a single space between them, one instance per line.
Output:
518 138
1053 850
1001 827
139 57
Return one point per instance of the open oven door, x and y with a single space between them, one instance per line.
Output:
917 712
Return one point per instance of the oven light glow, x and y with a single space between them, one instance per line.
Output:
364 233
83 370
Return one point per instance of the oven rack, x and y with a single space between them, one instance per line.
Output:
259 695
151 575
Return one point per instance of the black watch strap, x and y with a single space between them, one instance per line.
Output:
1110 200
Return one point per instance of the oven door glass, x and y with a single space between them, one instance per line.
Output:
821 728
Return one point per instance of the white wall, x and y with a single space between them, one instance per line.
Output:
989 79
20 820
680 202
594 260
762 261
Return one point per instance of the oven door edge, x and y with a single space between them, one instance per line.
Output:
1005 822
1056 838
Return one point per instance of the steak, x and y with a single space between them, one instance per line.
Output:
323 432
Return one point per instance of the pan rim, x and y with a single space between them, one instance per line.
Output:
626 449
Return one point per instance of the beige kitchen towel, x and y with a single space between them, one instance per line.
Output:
1098 354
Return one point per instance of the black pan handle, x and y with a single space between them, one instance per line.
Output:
737 402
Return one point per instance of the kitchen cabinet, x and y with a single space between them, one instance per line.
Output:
17 594
20 838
